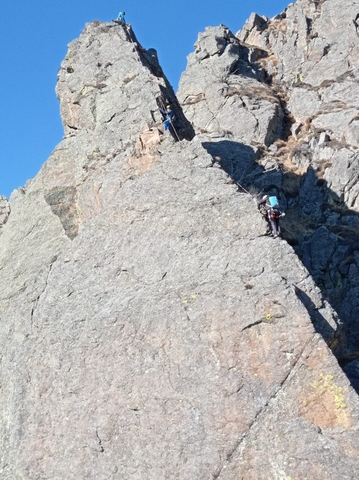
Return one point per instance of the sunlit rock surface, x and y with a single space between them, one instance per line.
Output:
148 329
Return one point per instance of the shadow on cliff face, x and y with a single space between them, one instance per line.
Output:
183 128
323 231
236 159
149 59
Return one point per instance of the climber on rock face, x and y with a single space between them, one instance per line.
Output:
269 209
168 116
274 214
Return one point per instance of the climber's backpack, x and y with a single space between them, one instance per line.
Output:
274 213
273 202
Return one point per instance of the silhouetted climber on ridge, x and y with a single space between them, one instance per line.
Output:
121 18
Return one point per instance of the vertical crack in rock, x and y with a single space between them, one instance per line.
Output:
37 299
5 211
261 412
149 59
101 447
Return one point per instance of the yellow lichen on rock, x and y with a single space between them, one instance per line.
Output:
325 404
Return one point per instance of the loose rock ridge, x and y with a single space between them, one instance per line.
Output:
147 329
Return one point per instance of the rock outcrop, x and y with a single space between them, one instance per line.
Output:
221 94
147 329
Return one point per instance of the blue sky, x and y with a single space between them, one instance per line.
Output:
34 38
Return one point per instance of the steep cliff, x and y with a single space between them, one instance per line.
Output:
286 87
311 52
147 329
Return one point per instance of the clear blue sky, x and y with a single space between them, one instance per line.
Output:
33 42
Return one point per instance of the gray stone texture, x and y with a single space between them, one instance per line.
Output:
221 95
308 73
308 39
312 55
4 211
148 330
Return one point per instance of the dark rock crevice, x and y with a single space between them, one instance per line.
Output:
62 201
149 59
5 211
35 302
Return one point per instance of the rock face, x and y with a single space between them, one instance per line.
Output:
4 210
308 156
221 94
147 329
318 71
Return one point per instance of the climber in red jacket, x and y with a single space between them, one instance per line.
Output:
269 209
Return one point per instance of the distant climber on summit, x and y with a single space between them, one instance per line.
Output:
121 17
269 209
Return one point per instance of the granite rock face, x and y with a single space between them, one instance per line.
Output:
299 63
148 329
221 94
305 41
318 70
